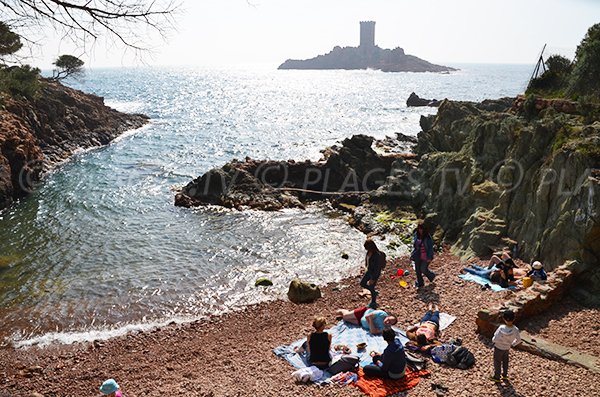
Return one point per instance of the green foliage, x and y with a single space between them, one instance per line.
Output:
585 78
67 65
10 42
589 107
20 80
553 81
562 136
558 64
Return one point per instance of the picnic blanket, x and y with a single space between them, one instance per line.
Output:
377 387
483 281
349 334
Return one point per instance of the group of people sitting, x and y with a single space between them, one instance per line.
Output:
391 363
503 271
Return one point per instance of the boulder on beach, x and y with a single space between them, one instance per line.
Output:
303 292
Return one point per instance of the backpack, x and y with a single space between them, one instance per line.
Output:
439 354
461 358
382 260
346 362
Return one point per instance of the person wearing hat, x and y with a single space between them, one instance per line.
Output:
537 272
110 388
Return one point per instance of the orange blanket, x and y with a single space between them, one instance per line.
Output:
377 387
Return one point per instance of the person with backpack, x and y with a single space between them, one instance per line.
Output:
506 336
375 262
422 254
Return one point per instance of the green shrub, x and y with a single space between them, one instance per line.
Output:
20 80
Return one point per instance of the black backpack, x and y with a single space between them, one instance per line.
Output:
382 260
461 358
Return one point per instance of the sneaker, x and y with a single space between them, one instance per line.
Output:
496 380
417 285
432 277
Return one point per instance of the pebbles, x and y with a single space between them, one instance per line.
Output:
232 356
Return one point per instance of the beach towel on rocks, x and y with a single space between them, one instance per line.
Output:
483 281
377 387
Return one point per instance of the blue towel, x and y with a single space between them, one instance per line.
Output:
484 281
342 334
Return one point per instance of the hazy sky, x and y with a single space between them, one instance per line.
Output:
230 32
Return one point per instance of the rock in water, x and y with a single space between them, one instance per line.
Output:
265 282
303 292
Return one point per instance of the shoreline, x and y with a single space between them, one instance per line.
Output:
230 354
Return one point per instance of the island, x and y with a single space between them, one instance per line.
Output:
366 56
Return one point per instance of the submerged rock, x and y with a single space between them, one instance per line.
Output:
263 281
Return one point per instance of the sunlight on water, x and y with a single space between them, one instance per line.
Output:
100 249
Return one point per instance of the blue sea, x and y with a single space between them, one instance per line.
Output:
99 249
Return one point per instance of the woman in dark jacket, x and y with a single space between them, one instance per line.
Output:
422 254
374 260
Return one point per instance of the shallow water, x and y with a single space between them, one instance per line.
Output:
99 248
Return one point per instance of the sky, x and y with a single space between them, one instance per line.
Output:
267 32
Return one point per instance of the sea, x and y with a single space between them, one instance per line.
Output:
100 250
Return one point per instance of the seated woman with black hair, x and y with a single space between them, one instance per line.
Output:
424 335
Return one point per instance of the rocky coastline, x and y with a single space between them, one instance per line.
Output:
484 176
461 177
37 134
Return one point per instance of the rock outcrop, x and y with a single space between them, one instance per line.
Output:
492 177
414 101
351 58
37 134
352 169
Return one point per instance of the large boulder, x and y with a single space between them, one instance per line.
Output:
303 292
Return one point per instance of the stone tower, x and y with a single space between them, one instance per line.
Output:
367 34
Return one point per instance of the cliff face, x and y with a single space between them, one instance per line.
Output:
37 134
491 177
366 58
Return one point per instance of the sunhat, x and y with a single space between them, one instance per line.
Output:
537 265
109 386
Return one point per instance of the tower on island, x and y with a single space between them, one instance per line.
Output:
367 34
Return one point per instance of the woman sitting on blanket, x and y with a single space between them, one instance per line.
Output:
502 271
392 363
424 335
318 344
372 320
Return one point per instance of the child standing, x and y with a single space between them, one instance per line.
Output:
110 388
505 337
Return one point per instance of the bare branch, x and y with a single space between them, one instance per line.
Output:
80 20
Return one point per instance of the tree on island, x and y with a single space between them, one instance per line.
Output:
67 66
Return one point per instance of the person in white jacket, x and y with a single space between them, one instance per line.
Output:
505 337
